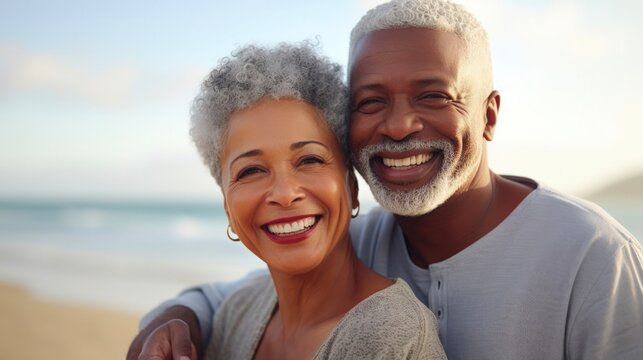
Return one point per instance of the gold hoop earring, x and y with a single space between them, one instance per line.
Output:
230 234
355 212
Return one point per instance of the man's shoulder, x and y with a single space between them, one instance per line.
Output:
544 196
555 211
371 232
571 207
374 216
375 221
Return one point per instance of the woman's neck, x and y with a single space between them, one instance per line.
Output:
304 298
310 305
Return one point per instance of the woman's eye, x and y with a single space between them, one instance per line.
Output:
311 160
248 172
370 106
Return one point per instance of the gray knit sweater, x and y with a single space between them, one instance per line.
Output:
390 324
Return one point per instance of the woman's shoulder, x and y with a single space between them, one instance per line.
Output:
246 305
391 323
262 284
252 295
239 321
396 306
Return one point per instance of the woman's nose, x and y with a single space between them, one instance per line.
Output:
285 190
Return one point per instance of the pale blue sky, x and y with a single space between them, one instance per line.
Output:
94 96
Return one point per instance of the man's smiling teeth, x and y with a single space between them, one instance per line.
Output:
293 227
409 161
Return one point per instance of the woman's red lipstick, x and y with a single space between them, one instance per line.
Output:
309 222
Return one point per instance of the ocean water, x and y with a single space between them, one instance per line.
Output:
128 256
132 255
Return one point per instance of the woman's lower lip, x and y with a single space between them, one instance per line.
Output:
290 238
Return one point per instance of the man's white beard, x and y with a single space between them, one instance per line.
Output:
419 201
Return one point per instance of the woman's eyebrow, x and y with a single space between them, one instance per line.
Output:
301 144
294 146
250 153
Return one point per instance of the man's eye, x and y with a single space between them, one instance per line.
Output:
434 96
370 106
248 172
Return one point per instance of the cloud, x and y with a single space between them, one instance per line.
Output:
564 69
569 74
26 71
86 81
176 175
182 83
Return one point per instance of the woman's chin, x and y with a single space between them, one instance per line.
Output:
299 265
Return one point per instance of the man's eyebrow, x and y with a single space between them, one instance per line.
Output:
250 153
301 144
360 88
417 83
431 81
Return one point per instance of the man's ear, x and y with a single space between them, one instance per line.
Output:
491 114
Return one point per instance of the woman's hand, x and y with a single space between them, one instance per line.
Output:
173 335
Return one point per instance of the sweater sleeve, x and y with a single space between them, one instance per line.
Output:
203 300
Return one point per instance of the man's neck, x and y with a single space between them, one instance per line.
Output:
462 220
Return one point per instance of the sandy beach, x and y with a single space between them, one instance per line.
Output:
34 328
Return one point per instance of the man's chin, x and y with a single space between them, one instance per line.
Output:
401 188
410 202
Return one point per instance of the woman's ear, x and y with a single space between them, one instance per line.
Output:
354 188
227 213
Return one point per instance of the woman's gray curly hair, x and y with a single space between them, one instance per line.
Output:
252 73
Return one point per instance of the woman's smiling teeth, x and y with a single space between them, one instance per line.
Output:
293 227
409 161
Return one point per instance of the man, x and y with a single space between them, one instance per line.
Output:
511 269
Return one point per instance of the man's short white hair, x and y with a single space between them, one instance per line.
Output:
441 15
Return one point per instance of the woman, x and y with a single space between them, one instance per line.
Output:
270 125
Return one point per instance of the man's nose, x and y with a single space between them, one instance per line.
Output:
285 190
401 121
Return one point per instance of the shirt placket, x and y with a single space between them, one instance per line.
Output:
437 301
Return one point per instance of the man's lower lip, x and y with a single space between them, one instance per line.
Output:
291 238
407 176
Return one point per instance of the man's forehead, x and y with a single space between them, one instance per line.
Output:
406 49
